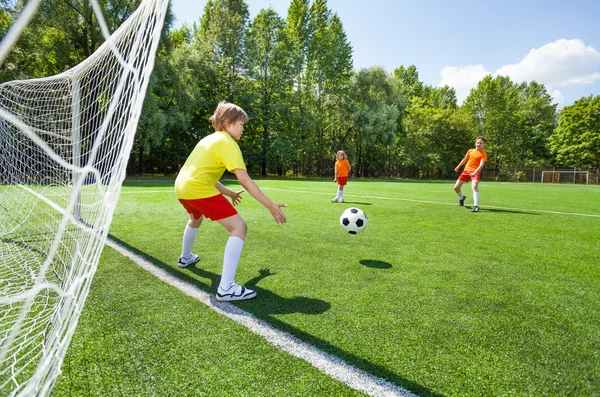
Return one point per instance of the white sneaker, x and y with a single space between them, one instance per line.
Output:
183 262
335 200
235 293
342 200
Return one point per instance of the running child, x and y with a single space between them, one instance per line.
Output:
475 160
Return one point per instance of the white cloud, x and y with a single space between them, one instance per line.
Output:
558 98
462 79
559 64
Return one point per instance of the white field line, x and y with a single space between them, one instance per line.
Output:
396 199
329 364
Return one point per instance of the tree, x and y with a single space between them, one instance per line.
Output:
494 104
376 104
329 68
222 30
576 140
270 76
536 119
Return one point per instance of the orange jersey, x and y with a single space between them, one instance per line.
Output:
342 167
475 157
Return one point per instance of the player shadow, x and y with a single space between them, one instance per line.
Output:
499 210
356 202
268 303
274 303
375 264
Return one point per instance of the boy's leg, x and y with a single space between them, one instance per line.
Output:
237 228
189 237
475 187
457 189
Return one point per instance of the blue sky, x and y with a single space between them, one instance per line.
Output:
458 42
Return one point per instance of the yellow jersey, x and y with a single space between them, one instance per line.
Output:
206 164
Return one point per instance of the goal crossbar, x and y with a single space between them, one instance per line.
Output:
569 173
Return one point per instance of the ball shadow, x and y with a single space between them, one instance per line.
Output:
376 264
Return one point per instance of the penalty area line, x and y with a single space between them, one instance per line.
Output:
327 363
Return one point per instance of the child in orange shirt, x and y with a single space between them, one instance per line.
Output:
475 159
342 169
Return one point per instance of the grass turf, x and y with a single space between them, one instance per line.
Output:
430 296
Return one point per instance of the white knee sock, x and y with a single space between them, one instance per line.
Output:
460 195
476 198
189 236
231 258
340 194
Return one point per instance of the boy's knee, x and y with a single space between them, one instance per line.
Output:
195 223
240 229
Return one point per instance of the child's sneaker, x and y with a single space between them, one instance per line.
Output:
235 293
461 201
475 208
342 200
334 200
185 262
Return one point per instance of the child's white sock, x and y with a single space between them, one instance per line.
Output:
460 195
339 194
231 258
476 198
189 236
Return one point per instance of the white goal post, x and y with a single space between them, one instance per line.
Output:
64 145
564 176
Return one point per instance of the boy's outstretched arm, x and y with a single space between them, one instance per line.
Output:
252 188
463 161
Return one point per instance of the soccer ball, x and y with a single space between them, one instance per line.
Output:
353 220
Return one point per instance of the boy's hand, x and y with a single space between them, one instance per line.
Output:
236 197
277 213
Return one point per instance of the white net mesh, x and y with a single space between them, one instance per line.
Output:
64 145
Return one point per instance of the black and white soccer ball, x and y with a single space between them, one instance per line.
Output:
353 220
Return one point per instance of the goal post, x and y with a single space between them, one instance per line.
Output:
64 145
566 176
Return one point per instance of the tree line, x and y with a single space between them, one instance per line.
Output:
295 78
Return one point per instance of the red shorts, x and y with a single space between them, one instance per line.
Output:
214 208
342 180
466 176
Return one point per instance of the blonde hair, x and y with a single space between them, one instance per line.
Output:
227 113
342 153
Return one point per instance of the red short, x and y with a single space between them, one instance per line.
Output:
214 208
466 176
342 180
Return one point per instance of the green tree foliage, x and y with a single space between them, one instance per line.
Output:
222 30
516 119
269 75
536 119
376 107
294 77
576 140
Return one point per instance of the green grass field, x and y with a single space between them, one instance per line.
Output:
431 297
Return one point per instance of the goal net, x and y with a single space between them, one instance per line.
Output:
566 176
64 145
